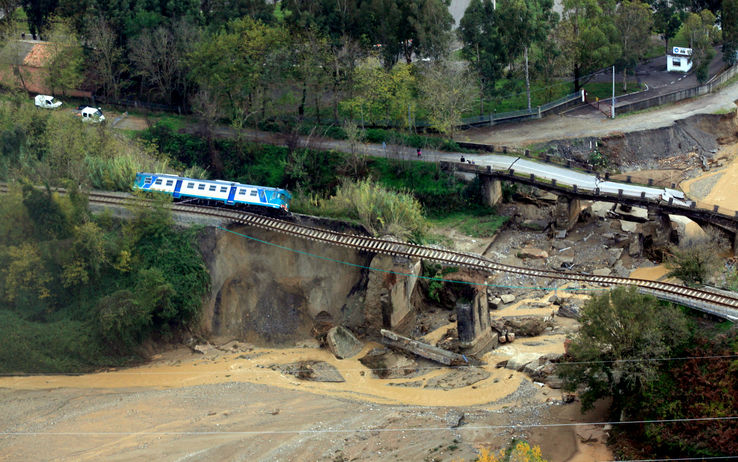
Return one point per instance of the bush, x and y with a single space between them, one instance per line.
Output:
380 210
696 260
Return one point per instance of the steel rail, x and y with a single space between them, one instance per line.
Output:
719 304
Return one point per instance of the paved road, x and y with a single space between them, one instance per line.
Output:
557 127
562 175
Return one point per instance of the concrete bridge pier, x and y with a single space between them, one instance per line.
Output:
567 212
474 325
491 190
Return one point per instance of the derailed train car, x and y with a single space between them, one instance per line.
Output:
218 191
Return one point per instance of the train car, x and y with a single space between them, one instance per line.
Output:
227 192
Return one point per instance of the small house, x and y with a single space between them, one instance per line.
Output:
679 60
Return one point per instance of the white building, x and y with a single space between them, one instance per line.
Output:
679 60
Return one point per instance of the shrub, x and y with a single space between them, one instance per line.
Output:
380 210
697 259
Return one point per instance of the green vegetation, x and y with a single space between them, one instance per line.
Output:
616 327
475 222
381 211
696 260
79 291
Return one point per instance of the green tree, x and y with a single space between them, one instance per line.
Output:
701 32
633 21
522 23
588 36
620 332
479 31
38 13
666 20
447 93
696 260
729 23
237 64
420 28
382 96
64 65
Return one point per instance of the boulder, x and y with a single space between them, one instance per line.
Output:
628 226
314 371
494 303
554 299
520 360
553 381
569 310
602 272
636 214
635 248
531 252
601 209
534 225
342 343
507 298
386 364
528 326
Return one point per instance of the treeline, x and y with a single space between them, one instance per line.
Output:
374 61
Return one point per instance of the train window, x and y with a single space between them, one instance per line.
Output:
158 181
212 188
253 192
241 192
190 185
147 180
201 186
170 182
223 188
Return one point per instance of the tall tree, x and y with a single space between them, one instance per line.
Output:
107 56
666 20
382 96
729 23
65 58
588 36
38 13
633 21
408 28
159 58
479 31
447 93
616 328
522 23
701 32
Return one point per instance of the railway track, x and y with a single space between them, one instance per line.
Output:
719 304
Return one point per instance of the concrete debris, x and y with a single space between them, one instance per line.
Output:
342 343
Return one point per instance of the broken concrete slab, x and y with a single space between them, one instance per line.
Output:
342 343
507 298
423 350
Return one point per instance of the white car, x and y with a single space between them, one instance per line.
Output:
47 102
90 114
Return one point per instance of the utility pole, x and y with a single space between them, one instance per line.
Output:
612 102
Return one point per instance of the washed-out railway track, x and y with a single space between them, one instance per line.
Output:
722 304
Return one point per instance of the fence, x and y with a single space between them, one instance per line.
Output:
524 114
673 97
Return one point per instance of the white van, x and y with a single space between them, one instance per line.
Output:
90 114
47 102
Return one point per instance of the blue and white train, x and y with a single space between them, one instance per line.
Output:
226 192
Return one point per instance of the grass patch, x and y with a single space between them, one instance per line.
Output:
477 222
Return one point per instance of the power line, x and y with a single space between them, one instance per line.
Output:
733 457
367 430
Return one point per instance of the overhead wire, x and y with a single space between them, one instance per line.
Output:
381 430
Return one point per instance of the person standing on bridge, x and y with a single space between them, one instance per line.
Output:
419 153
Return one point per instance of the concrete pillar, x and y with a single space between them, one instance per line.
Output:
388 301
491 190
567 212
474 325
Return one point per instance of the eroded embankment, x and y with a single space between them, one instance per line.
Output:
686 143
